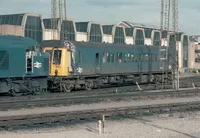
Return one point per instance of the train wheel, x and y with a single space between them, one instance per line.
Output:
15 91
36 91
89 85
68 87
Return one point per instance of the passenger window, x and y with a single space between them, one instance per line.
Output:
108 57
163 54
79 57
104 57
97 58
146 57
125 58
136 57
120 60
153 57
57 57
129 57
132 57
150 57
112 57
156 58
141 57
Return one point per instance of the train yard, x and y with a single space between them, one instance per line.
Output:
61 73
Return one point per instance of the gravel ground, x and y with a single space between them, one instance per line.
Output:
161 126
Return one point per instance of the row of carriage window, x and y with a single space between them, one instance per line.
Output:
122 57
128 57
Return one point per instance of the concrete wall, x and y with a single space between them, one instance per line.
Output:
164 42
48 34
107 38
148 41
81 36
191 59
12 30
129 40
180 55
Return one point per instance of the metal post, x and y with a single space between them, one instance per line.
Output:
176 46
100 126
103 122
161 16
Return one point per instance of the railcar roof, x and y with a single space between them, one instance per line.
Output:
60 44
17 41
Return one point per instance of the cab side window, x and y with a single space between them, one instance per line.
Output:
57 57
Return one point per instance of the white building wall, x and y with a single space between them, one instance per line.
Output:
81 36
191 59
148 42
107 38
191 53
48 34
180 55
129 40
164 42
12 30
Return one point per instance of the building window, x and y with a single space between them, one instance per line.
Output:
148 33
129 32
119 35
67 31
139 39
172 40
107 29
156 39
33 28
81 26
95 33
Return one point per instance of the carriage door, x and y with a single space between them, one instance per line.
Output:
97 63
149 63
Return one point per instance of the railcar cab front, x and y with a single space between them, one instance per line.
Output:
60 57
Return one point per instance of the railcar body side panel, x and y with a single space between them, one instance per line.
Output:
91 59
22 65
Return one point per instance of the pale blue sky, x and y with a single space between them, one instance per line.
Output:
111 11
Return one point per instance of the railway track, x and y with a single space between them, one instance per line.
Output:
96 97
94 114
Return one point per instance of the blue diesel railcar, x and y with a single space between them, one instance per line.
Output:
23 67
92 65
